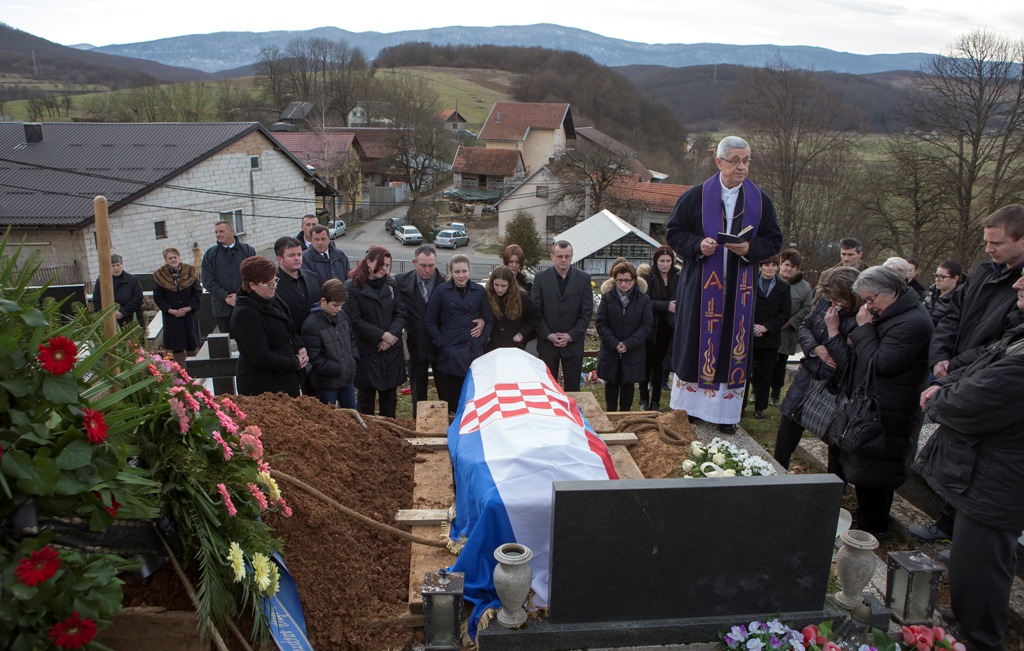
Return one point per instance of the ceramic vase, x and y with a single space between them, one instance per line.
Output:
512 579
855 565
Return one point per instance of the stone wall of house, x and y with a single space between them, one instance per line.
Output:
60 251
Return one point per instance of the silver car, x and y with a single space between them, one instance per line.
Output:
408 235
337 228
451 239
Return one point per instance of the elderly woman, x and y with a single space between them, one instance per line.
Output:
515 313
661 288
459 321
127 295
270 355
948 277
891 341
823 338
377 314
624 321
514 258
178 294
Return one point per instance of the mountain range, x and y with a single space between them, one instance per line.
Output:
228 50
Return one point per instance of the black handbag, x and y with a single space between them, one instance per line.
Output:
857 426
820 404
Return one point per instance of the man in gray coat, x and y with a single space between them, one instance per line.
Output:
323 259
221 275
565 298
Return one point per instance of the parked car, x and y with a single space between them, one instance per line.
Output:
458 226
451 239
337 228
394 222
408 235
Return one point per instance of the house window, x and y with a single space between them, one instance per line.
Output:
254 162
160 230
236 218
542 191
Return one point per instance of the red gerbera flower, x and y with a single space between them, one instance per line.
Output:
95 425
58 355
73 633
40 566
114 504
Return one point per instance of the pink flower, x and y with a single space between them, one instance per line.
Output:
830 646
232 511
263 466
811 636
233 408
185 396
251 446
227 448
207 398
284 508
154 372
909 635
226 422
178 410
254 430
258 495
180 370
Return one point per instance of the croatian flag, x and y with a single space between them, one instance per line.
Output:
514 434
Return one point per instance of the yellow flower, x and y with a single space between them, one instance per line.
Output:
273 492
237 561
275 578
261 570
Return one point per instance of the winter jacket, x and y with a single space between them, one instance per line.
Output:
127 295
221 274
332 349
448 320
267 347
567 312
772 311
180 332
975 460
335 265
421 348
801 296
505 328
300 294
661 295
937 304
372 310
630 325
976 312
814 333
896 343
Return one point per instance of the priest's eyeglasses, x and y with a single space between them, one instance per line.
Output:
736 161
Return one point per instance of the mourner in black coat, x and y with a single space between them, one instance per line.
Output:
127 295
661 287
515 315
565 299
332 349
415 287
178 294
624 321
772 309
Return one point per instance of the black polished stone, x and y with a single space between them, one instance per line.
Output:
624 551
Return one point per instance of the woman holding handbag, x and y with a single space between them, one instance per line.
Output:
827 351
891 339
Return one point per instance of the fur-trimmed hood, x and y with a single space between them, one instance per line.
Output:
163 277
609 284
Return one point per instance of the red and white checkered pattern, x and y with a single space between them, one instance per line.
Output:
517 399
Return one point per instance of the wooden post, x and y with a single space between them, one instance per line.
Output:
99 205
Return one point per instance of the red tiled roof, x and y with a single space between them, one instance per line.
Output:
372 140
493 162
316 149
657 197
451 115
513 120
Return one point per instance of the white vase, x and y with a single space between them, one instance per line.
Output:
855 565
512 579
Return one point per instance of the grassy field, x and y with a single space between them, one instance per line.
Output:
473 91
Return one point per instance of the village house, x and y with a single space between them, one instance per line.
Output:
453 120
166 184
335 156
540 131
493 170
370 114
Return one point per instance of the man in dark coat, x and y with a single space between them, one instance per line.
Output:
299 288
715 299
324 260
975 461
771 311
565 298
127 295
415 287
304 237
976 316
221 275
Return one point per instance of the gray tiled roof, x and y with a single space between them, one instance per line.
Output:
53 182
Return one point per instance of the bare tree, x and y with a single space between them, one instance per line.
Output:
271 67
966 112
594 178
802 140
188 101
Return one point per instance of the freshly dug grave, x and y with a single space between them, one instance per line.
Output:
655 456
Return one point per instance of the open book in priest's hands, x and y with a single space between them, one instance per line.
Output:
729 238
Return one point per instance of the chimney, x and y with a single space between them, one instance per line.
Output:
33 132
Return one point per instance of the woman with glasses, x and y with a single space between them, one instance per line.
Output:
823 338
270 354
377 314
948 277
624 321
891 342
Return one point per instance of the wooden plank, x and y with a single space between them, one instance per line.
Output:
623 462
432 417
423 517
619 438
592 410
434 489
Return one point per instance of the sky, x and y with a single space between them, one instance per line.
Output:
858 26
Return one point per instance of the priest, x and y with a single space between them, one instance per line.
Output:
721 229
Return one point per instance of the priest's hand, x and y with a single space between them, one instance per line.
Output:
708 246
739 248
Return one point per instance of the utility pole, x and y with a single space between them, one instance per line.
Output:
586 200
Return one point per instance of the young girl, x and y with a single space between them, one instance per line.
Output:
515 314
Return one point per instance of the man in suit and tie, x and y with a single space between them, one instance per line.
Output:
565 298
415 288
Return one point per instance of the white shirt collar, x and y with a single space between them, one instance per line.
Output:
729 198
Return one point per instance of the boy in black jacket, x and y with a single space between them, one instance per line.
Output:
331 346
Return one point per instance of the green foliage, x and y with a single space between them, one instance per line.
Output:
522 230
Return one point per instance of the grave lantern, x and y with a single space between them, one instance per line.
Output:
912 582
442 609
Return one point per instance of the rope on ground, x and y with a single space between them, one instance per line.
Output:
395 427
644 423
326 499
355 413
